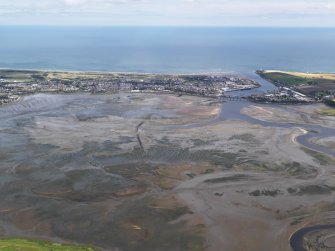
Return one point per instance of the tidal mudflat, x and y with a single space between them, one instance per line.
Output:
159 172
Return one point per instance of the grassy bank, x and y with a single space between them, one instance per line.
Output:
328 112
34 245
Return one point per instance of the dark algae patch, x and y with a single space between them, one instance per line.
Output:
246 137
233 178
313 189
266 192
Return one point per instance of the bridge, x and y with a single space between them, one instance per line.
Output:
232 98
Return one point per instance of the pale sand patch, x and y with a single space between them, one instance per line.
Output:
261 109
70 134
327 142
269 114
328 76
277 142
304 114
295 135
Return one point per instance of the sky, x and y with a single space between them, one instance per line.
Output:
292 13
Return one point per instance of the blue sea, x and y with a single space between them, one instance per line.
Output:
167 49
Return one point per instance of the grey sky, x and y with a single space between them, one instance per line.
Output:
169 12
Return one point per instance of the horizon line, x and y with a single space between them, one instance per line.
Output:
161 26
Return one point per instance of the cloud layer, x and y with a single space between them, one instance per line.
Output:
170 12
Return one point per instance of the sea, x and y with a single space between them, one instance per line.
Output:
167 49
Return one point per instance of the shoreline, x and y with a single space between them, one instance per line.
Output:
185 73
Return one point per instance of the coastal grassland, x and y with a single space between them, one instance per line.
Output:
327 112
37 245
31 76
10 75
329 76
305 82
24 76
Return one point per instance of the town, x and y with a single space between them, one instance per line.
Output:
14 84
282 95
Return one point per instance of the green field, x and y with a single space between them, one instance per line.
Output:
307 83
328 111
34 245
